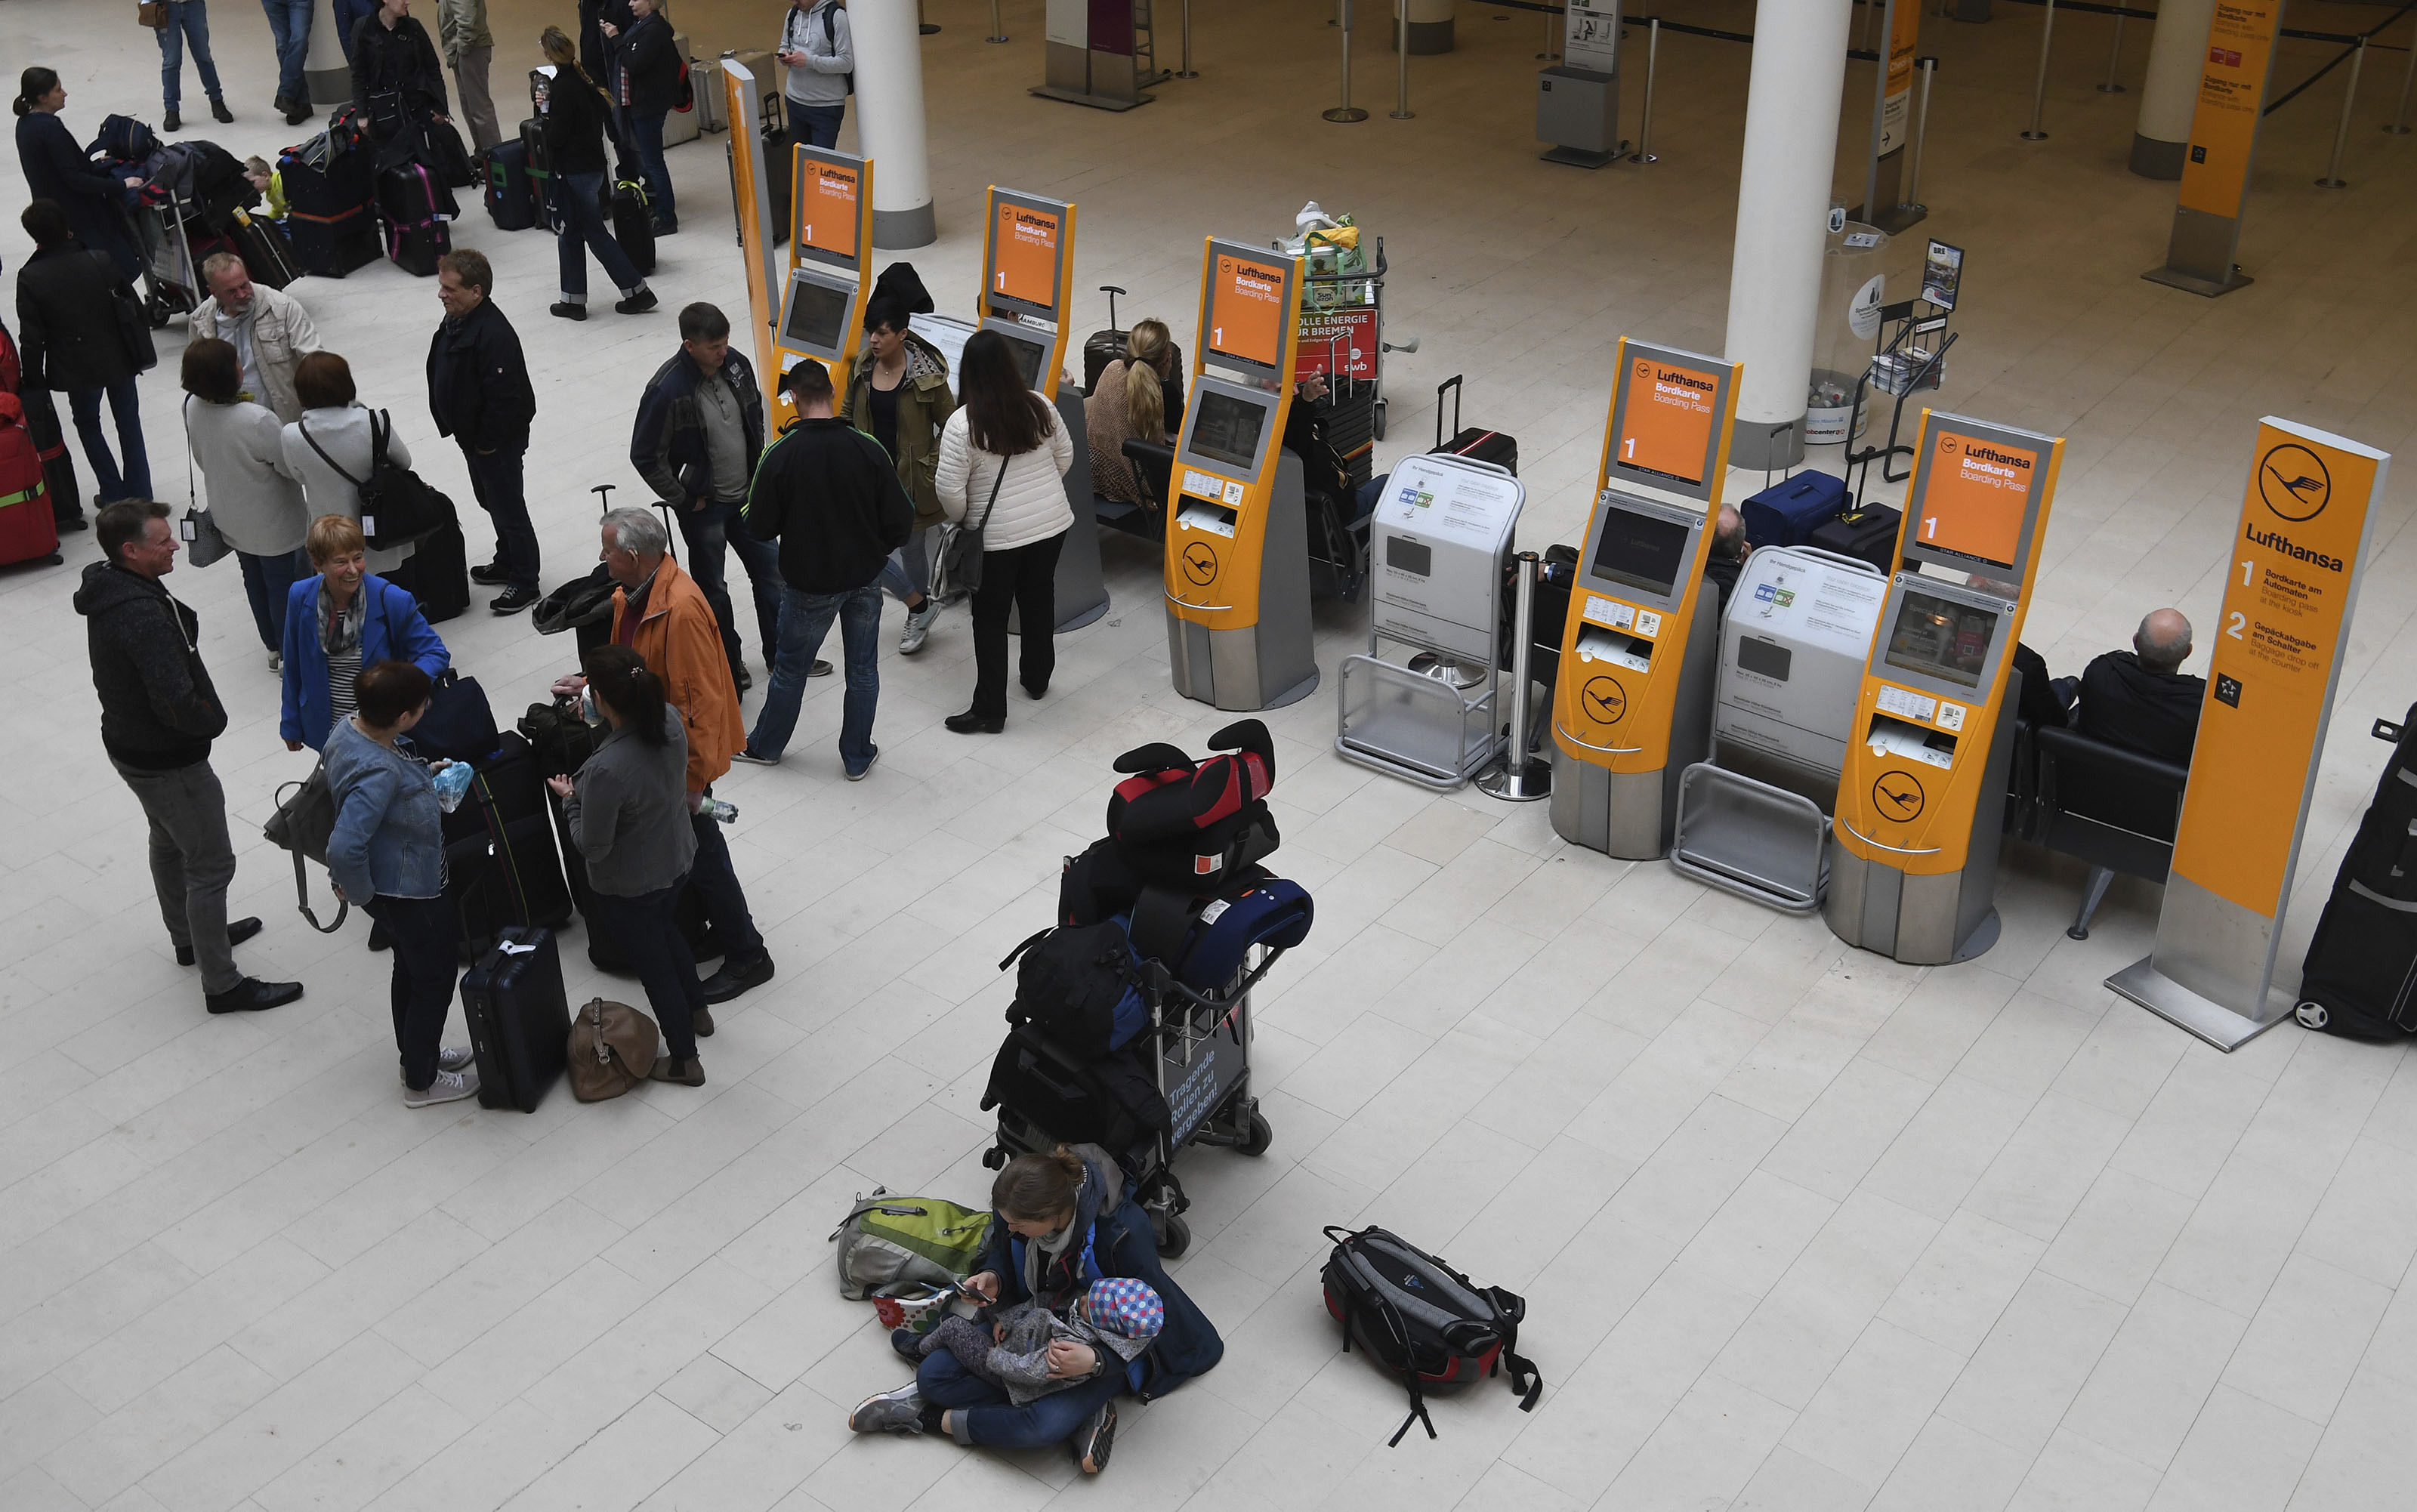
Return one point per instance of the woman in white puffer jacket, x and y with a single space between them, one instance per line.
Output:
1003 462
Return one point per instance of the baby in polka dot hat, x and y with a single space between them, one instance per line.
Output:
1118 1316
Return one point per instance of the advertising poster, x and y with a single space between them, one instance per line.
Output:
1340 343
1904 31
1943 273
2231 97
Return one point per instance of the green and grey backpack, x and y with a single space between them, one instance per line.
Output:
891 1246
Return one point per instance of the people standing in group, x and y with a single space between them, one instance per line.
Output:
388 855
1003 462
578 118
289 22
239 448
269 330
660 612
645 86
897 393
1128 402
72 340
182 22
627 811
831 497
158 714
328 449
820 51
699 430
93 200
469 50
340 619
479 389
394 60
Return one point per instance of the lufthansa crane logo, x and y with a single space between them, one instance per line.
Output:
1645 370
1603 699
1200 563
2293 482
1897 797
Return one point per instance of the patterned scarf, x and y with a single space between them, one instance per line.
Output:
339 633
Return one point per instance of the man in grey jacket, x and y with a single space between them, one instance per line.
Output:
819 51
270 331
158 713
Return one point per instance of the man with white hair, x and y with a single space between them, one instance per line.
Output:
2140 698
660 612
270 331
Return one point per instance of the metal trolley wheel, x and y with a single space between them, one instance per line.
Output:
2313 1015
1174 1236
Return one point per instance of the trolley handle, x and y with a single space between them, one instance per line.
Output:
1452 384
1111 291
1164 979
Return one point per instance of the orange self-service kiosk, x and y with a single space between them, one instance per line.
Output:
1236 565
1633 705
1922 800
821 313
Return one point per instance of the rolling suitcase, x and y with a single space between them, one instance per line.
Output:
512 200
1868 535
519 1018
29 531
632 222
500 863
1787 512
413 203
781 162
264 252
541 174
437 574
2359 977
1102 347
1477 446
329 219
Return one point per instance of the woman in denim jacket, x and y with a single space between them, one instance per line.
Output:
388 855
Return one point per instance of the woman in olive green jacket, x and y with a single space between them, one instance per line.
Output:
898 394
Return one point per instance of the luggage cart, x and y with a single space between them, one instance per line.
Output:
172 279
1343 337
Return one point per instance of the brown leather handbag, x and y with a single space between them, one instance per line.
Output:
152 13
613 1046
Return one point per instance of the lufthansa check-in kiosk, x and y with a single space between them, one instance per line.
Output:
1237 566
1922 799
821 314
1027 294
1632 705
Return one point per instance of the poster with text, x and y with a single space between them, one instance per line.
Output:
1665 419
1246 309
1023 249
827 208
1974 497
2231 98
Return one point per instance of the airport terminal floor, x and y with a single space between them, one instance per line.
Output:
1799 1227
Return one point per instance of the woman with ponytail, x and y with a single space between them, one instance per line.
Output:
57 169
1139 394
626 812
577 118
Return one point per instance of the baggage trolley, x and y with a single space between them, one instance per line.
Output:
171 281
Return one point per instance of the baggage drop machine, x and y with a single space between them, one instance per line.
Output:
1027 296
1921 800
1236 565
1633 703
821 313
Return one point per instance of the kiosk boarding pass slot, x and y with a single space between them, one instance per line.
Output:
1026 286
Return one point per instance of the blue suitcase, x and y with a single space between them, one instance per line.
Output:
1787 512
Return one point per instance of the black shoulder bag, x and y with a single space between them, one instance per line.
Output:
398 507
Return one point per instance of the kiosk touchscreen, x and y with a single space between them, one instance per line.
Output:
821 313
1632 707
1921 797
1236 565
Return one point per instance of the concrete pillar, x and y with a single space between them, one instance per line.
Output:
889 121
2170 95
1783 195
1430 26
325 73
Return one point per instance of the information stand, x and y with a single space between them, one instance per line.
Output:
831 264
1921 800
1237 564
1631 706
751 203
1027 294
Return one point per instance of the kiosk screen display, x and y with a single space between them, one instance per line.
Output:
1936 637
1641 551
1410 556
1227 430
1974 498
1028 357
818 316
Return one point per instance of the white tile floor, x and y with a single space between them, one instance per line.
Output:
1800 1228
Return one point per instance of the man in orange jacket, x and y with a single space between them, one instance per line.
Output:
660 612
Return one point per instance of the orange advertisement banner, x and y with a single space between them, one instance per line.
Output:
1247 304
1972 502
2231 96
1025 251
827 195
1665 419
2270 662
1905 34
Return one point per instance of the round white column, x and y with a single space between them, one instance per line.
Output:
889 121
325 73
1784 193
2170 95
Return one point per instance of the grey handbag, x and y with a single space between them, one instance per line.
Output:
204 543
961 554
303 824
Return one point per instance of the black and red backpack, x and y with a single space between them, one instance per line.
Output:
1423 1320
1177 822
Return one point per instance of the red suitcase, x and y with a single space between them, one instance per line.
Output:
28 532
1477 446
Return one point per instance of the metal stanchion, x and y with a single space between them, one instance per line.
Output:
2114 56
1514 777
997 30
2039 89
1644 153
923 23
2399 125
1187 71
2333 178
1913 199
1551 36
1402 110
1346 111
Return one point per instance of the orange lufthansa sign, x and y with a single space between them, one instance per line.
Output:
1666 425
1976 493
1247 306
2231 96
1023 248
827 213
2271 661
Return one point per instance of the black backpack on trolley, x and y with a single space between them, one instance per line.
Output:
1423 1320
2360 978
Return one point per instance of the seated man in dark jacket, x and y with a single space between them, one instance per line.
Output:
392 55
2140 698
1727 558
158 714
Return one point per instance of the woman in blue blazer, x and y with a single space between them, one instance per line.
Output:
57 169
340 620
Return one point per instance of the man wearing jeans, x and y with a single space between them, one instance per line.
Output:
819 51
289 21
479 390
828 492
187 21
158 714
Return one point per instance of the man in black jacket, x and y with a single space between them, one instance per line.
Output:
71 342
830 495
395 71
479 390
158 713
2141 699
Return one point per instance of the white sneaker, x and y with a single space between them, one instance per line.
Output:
277 661
451 1058
918 625
449 1086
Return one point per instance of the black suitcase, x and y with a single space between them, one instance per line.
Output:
437 574
2360 976
500 862
1101 348
605 951
1477 446
266 255
633 221
519 1018
413 203
1868 535
511 198
779 164
329 219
